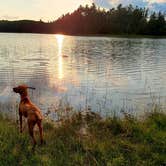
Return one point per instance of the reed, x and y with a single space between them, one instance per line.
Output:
88 139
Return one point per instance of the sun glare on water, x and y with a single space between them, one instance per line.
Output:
58 62
60 39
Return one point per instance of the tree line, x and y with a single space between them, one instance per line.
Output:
94 20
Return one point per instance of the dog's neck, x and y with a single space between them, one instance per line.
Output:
24 96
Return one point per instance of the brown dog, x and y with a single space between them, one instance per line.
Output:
30 111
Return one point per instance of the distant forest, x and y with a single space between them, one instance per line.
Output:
92 20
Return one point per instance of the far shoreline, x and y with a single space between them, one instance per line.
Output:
130 36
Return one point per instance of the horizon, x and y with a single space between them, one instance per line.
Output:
32 9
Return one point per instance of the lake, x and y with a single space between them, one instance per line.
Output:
104 74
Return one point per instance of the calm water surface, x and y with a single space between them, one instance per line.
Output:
103 73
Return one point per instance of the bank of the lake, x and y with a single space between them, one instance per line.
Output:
129 36
89 140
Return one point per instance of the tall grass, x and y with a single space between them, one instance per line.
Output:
111 141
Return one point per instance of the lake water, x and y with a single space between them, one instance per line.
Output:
102 73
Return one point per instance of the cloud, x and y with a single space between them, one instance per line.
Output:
104 4
8 17
158 7
152 4
156 1
36 9
52 9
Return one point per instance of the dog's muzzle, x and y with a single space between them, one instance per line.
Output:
15 90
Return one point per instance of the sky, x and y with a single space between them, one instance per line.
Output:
49 10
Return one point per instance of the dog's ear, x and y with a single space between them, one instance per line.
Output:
29 87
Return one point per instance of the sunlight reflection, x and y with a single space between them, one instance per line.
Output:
60 60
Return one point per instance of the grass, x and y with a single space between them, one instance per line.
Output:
107 142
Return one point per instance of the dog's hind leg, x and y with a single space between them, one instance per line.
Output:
40 130
20 115
31 125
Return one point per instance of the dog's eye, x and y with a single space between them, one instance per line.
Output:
21 91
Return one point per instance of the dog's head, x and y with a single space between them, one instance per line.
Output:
22 89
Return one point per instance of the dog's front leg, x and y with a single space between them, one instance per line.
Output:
20 115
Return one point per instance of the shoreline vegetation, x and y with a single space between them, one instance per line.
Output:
99 35
128 21
130 36
88 139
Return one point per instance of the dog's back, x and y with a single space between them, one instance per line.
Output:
29 110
